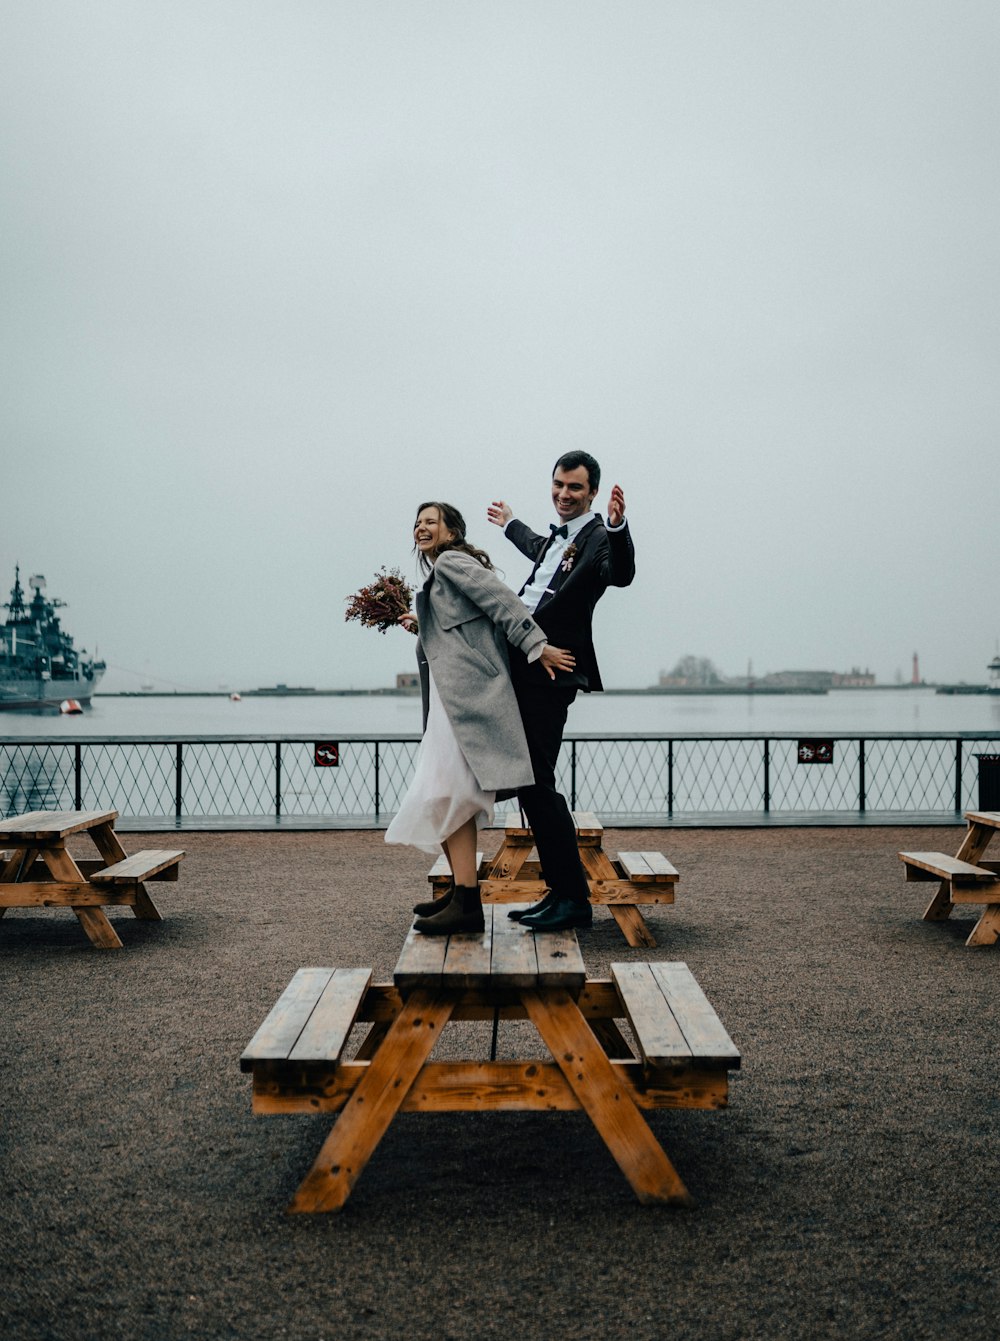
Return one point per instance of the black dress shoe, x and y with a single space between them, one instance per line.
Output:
546 901
559 916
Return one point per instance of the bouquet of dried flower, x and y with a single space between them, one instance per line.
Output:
380 604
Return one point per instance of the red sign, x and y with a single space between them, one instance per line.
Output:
815 751
326 754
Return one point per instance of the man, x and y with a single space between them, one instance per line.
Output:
574 566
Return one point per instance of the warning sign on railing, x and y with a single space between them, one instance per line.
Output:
815 751
326 754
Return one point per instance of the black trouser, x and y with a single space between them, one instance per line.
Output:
544 707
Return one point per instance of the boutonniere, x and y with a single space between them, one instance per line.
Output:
569 554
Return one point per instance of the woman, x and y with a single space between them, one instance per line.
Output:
474 744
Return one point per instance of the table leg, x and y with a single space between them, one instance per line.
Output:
93 920
374 1103
109 846
632 923
987 929
608 1104
939 908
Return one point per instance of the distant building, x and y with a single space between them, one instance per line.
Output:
408 680
819 679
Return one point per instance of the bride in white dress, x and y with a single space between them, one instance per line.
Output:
473 743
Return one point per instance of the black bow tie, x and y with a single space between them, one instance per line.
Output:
559 530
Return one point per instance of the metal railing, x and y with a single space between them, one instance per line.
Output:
365 778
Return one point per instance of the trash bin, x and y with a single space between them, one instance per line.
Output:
989 781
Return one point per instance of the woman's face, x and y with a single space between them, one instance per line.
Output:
430 532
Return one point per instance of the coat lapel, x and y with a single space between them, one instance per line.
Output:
585 538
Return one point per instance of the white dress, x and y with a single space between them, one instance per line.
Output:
444 792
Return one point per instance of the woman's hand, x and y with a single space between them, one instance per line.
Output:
408 621
556 658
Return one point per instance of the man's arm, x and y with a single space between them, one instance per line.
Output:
527 541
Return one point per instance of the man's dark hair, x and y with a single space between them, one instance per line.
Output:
573 460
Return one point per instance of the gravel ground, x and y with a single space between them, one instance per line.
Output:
848 1191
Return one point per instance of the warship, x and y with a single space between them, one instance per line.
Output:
39 666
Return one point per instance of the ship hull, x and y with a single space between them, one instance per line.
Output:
26 692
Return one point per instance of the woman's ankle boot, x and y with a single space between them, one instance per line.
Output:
431 906
464 913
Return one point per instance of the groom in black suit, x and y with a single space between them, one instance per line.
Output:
574 566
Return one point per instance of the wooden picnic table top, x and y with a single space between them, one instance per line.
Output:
505 956
49 826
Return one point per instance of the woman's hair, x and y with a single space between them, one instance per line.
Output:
455 522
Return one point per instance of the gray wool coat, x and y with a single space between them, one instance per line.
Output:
467 617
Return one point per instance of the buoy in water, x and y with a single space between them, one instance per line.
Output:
235 698
70 705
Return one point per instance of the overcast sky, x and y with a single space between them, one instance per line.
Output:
272 274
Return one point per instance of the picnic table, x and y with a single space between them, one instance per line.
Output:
38 871
967 877
620 883
680 1057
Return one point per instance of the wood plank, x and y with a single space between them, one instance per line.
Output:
467 957
373 1105
624 891
940 907
278 1034
514 960
510 858
942 867
329 1025
49 825
708 1040
62 894
421 961
607 1101
988 818
463 1087
560 961
647 867
976 893
142 865
660 1038
20 864
587 824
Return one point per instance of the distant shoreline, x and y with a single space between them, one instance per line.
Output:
651 690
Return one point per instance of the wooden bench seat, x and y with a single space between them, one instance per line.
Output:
150 864
673 1022
941 866
312 1019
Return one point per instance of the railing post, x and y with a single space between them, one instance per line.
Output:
572 774
861 776
277 779
78 777
767 776
670 779
378 799
179 780
958 777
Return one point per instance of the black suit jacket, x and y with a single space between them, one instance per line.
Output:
603 559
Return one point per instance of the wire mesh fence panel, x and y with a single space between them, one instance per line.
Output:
625 777
133 778
368 777
36 777
718 775
810 779
910 774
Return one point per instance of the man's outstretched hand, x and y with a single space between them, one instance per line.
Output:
616 506
499 512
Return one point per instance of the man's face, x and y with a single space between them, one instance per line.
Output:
571 493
